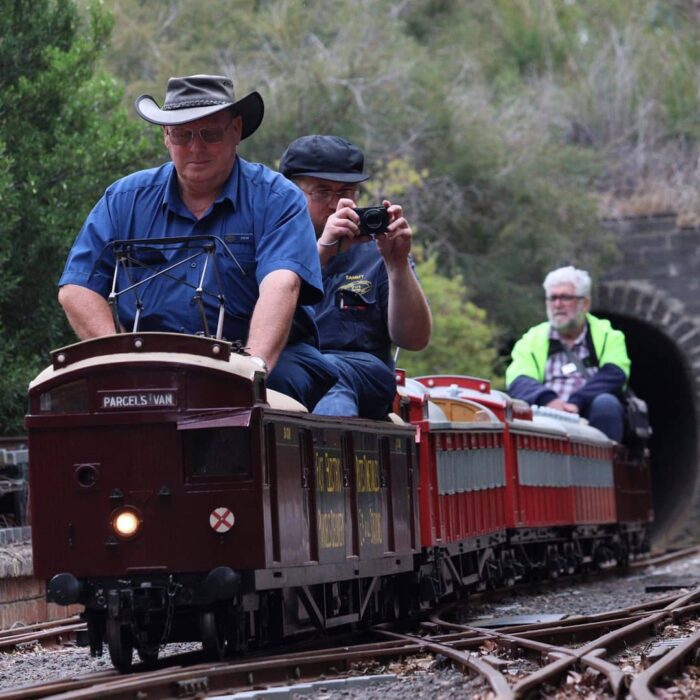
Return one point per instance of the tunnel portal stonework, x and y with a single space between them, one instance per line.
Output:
653 294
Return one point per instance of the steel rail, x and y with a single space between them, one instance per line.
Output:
222 677
631 623
613 674
589 654
22 639
10 631
674 659
664 558
495 678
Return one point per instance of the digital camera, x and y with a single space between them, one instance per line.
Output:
373 220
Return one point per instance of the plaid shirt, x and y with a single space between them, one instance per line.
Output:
562 375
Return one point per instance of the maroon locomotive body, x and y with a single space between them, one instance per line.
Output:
176 498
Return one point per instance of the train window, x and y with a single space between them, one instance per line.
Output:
68 398
218 451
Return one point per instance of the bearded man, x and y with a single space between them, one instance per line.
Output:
573 362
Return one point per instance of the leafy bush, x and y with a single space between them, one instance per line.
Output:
462 340
63 138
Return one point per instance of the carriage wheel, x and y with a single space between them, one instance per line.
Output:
212 629
120 644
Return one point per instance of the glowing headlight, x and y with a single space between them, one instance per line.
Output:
126 522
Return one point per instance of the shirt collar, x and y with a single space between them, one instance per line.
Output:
580 338
173 201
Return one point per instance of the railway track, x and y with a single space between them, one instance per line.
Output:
51 633
625 652
538 658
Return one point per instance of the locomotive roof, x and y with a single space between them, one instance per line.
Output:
101 356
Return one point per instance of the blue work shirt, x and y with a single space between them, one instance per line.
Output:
353 314
260 215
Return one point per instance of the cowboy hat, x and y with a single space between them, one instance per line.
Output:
197 96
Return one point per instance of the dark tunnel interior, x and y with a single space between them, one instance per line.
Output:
661 376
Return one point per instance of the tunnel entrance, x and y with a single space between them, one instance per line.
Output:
661 376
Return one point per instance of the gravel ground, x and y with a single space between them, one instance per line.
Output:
418 678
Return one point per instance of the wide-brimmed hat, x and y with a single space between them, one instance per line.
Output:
324 157
197 96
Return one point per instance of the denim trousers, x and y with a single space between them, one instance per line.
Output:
605 412
366 386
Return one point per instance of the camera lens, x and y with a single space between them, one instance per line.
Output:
374 220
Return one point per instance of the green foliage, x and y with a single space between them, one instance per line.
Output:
64 137
462 340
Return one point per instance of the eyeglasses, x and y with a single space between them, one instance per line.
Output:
324 196
566 298
179 136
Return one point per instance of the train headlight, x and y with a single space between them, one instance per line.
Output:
126 522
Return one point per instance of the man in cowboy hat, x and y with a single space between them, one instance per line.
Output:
267 263
372 296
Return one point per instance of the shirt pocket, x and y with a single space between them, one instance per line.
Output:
239 252
352 302
361 310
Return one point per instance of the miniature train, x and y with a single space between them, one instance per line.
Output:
177 498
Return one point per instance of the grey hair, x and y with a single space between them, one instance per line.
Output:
569 275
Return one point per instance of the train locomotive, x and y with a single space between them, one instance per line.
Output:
177 498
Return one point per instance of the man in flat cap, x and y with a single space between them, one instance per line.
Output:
372 295
266 264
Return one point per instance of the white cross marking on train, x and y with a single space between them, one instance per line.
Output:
221 520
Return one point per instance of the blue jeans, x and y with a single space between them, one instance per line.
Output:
366 386
303 373
605 412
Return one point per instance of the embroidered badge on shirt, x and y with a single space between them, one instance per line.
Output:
357 286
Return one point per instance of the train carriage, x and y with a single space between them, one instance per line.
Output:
560 482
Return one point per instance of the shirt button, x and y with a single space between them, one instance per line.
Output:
194 264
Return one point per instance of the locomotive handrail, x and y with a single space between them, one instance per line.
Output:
126 252
141 343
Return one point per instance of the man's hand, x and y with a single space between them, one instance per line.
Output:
563 406
395 244
341 229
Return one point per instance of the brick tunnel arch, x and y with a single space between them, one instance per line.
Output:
663 342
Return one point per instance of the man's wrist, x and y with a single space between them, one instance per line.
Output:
398 266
